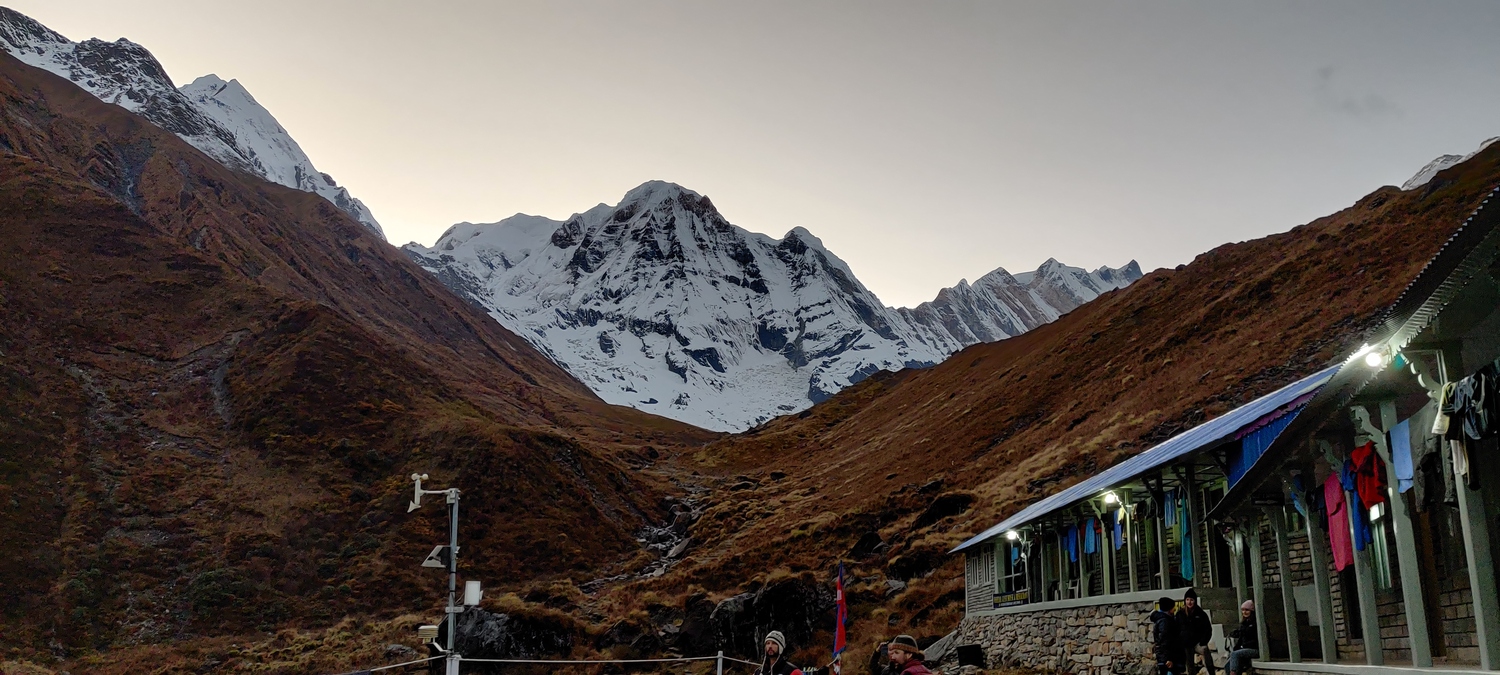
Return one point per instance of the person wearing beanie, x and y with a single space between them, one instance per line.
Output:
1196 633
1246 641
906 656
775 662
1166 644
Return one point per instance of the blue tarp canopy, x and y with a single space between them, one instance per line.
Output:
1203 435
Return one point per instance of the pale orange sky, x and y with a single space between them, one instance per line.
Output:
923 142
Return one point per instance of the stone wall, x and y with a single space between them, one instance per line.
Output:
1092 640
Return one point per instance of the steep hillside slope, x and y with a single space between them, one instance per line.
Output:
889 474
220 118
662 304
214 387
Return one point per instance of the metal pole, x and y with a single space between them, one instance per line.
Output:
452 579
720 661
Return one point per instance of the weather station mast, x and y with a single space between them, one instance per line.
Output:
446 556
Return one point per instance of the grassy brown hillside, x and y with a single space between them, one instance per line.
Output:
213 388
924 459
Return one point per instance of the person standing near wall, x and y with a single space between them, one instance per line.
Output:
1246 641
1166 643
1196 632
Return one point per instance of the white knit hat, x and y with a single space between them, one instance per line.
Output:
1248 604
779 639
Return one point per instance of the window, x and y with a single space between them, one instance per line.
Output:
1012 567
979 570
1380 554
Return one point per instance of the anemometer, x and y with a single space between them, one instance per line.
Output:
445 556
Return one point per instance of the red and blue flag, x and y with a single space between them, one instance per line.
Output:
843 618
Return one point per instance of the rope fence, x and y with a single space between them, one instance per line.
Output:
393 665
721 658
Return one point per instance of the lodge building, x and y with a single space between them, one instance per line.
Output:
1359 507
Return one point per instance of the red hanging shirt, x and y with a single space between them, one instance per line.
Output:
1369 475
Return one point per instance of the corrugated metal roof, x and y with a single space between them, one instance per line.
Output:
1177 446
1468 252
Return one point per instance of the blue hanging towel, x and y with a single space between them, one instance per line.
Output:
1169 512
1185 536
1359 516
1119 528
1299 495
1015 554
1090 538
1401 455
1070 541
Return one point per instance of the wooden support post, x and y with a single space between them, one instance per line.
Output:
1193 525
1108 555
1163 557
1476 527
1258 589
1044 565
1471 512
1062 569
1237 570
1288 600
1406 549
1319 548
1364 581
1127 505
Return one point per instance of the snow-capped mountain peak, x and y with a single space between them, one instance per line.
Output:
219 118
1428 172
658 302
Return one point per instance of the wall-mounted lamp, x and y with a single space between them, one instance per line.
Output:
1378 356
1013 535
1110 498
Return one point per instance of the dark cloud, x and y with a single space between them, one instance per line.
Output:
1331 96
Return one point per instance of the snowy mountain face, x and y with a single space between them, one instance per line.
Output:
661 304
219 118
1442 162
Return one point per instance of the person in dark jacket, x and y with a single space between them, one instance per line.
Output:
1166 644
1196 632
906 656
775 662
1246 641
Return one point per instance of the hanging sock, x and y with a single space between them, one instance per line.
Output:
1461 461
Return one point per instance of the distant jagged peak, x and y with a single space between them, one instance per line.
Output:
660 303
21 30
653 191
1428 172
218 117
215 87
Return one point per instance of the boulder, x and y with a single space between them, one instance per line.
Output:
484 634
795 606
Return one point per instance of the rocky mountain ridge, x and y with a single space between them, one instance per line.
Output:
661 303
219 118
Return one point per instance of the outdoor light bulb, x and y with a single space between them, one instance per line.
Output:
1374 358
1013 535
1110 498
